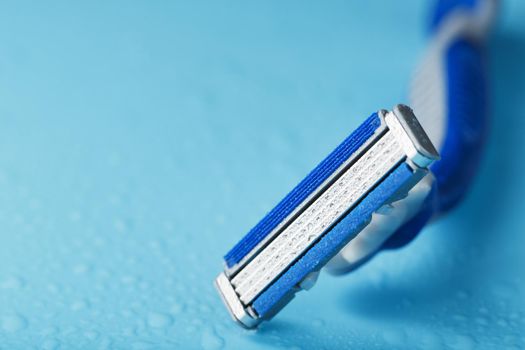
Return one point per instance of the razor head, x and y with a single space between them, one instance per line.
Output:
376 165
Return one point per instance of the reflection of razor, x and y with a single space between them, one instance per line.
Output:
362 181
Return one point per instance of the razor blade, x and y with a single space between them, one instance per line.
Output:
376 166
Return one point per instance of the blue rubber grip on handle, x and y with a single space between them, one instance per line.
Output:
467 127
444 8
467 123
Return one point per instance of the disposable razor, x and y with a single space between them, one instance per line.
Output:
358 183
382 184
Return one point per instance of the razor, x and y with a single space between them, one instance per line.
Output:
377 190
374 167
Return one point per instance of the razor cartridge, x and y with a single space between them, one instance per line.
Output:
353 195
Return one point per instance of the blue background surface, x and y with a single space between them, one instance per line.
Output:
139 141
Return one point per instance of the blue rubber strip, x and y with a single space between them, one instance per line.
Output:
331 242
306 187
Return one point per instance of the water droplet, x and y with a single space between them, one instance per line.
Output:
204 308
459 318
13 323
462 342
502 322
482 321
50 344
12 283
211 341
429 340
75 216
105 343
514 315
121 225
406 302
318 323
79 305
159 320
176 308
53 288
91 335
80 269
503 291
142 345
129 279
394 337
49 331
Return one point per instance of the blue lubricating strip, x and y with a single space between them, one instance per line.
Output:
332 241
444 8
306 187
467 122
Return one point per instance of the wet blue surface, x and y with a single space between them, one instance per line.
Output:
139 142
